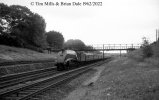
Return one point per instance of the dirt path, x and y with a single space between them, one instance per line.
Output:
80 92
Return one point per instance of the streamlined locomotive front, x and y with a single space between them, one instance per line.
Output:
66 59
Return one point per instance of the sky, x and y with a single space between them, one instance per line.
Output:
115 22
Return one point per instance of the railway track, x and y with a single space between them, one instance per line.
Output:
32 88
10 80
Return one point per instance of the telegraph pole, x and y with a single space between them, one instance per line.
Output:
120 50
156 35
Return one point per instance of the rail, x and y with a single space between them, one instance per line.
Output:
31 89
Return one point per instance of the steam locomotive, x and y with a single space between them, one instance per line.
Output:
67 59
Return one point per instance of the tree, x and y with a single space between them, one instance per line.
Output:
4 10
74 44
19 23
5 26
90 48
55 39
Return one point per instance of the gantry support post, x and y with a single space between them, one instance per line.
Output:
103 51
120 50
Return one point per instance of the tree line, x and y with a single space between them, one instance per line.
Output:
21 27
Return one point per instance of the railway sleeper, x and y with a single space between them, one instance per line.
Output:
34 98
30 90
11 98
22 94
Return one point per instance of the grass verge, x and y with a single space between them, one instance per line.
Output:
11 54
126 79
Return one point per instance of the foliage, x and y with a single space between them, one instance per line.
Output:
4 10
74 44
146 48
89 47
19 23
55 39
156 49
10 40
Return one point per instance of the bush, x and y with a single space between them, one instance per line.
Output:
11 40
146 48
156 49
147 51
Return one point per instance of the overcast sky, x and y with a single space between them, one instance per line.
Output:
116 21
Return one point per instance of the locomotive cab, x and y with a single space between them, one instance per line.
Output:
66 59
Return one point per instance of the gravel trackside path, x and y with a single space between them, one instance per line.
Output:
81 91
